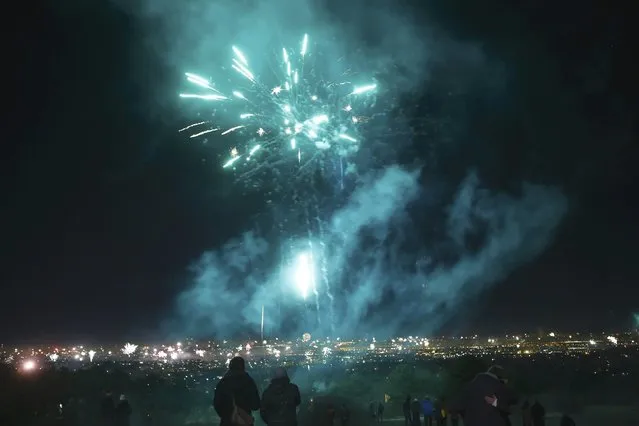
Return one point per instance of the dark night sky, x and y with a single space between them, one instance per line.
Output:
104 205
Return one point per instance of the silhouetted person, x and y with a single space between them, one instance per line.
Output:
484 399
236 395
415 409
406 410
280 401
566 420
345 415
526 419
107 409
538 414
428 410
123 412
380 412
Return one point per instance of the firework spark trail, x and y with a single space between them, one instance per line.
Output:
293 116
314 279
203 132
190 126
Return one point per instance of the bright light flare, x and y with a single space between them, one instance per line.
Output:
304 273
29 365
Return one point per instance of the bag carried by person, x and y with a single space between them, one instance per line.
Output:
240 417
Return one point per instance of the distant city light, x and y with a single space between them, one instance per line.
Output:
129 349
29 365
312 350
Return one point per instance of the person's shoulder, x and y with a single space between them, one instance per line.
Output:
244 376
486 378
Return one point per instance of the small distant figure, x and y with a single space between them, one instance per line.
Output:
107 409
566 420
380 412
538 414
454 419
415 410
123 412
345 416
372 408
406 410
280 401
330 415
236 395
510 399
526 419
442 415
428 410
70 412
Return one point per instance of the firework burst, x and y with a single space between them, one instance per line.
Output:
298 118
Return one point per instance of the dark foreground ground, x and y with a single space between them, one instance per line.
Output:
623 415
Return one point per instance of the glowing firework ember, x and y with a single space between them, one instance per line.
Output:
300 114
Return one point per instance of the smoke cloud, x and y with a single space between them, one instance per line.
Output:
363 278
363 267
353 37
